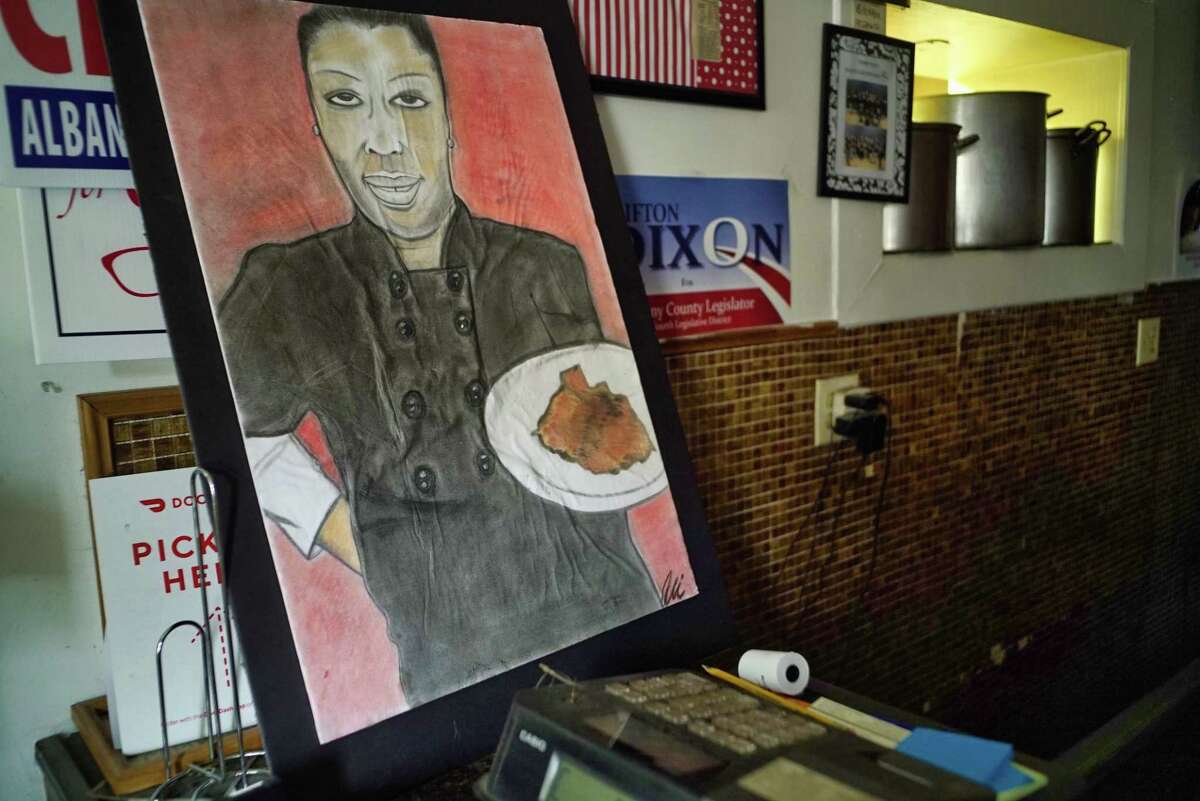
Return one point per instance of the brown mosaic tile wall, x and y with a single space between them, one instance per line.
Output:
1042 519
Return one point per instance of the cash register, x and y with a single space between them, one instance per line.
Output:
684 736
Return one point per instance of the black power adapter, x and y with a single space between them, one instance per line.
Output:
864 400
867 429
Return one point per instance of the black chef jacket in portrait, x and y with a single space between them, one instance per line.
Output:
473 572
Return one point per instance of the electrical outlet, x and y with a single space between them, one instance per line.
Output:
823 405
1147 340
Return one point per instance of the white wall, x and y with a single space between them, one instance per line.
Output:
50 654
836 244
871 287
650 137
1176 127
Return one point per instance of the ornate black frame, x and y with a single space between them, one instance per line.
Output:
829 182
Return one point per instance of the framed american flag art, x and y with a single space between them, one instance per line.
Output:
697 51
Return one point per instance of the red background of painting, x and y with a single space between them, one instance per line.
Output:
252 171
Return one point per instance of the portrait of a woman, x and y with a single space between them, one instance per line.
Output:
390 329
398 244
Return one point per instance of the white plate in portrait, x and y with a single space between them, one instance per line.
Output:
515 406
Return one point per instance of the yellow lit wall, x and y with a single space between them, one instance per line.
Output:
979 53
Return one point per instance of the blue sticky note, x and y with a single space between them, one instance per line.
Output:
1008 778
982 761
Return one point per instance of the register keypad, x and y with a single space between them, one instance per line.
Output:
721 715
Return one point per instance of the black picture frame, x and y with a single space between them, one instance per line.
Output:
684 94
454 730
875 62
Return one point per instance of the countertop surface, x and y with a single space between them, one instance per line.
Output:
71 774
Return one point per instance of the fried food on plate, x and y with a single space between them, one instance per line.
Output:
592 426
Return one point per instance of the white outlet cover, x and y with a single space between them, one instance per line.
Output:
1148 330
823 405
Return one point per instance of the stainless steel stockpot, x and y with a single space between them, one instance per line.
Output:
926 222
1000 189
1071 156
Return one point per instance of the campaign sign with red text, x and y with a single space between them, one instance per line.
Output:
713 252
92 295
149 579
58 117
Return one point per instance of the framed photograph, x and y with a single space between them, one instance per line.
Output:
133 431
1188 252
866 110
417 356
696 51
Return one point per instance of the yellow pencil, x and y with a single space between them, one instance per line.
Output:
794 704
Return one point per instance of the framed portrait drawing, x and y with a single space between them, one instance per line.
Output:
866 110
1187 259
696 51
415 350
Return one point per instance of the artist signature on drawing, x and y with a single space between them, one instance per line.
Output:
671 589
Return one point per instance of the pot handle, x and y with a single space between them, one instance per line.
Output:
962 144
1053 113
1095 133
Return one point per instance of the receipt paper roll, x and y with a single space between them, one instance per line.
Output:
782 671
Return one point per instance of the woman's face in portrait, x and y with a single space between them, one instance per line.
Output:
382 114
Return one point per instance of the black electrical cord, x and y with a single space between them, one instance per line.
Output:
818 502
876 402
875 527
864 595
815 509
832 537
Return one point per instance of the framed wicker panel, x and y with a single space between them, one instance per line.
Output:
131 431
134 431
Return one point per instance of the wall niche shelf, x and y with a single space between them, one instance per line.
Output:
1095 60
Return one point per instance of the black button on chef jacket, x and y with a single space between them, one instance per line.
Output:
474 573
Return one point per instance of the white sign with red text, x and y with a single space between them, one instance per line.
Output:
149 579
59 124
92 295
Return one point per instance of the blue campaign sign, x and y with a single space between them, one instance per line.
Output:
65 128
714 253
59 125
